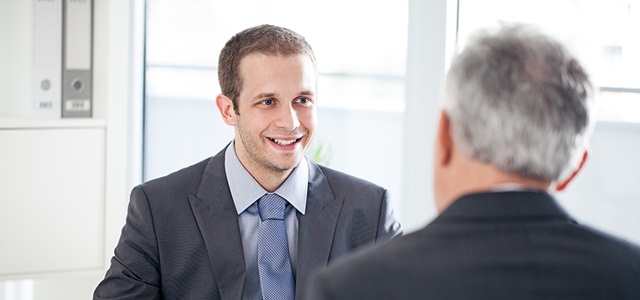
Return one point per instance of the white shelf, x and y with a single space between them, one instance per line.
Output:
67 285
10 122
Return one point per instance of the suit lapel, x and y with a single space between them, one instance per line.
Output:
217 220
316 228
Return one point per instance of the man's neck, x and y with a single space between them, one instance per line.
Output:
271 181
268 179
474 177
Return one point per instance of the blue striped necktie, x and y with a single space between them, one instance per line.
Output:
274 265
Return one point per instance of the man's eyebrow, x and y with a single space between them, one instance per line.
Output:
275 95
307 93
264 95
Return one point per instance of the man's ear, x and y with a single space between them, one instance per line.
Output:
444 140
562 185
225 106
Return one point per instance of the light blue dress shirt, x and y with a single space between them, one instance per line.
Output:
245 191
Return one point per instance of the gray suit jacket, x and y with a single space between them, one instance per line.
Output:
182 240
507 245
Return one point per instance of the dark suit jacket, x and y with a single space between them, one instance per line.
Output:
507 245
182 240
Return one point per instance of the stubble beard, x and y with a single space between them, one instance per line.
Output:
260 159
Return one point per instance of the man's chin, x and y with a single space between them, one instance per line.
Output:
287 164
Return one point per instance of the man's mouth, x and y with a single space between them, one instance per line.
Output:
285 142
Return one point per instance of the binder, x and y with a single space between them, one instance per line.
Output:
47 58
77 59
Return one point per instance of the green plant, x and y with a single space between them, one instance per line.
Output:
320 151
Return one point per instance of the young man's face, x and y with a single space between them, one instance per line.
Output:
277 112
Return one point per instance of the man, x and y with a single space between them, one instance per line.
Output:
515 122
199 234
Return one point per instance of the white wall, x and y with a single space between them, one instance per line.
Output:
430 46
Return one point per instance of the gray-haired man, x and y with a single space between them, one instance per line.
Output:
514 126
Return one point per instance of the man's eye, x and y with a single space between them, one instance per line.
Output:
267 102
303 100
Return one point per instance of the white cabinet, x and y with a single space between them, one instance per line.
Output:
52 171
52 199
64 183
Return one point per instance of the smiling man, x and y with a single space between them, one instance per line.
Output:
255 220
278 117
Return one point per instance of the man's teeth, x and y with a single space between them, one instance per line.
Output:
284 142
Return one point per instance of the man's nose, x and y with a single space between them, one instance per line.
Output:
288 118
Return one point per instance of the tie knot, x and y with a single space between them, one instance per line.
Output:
271 206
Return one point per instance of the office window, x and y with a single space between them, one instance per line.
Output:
360 49
603 34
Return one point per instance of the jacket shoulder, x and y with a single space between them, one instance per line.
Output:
191 175
341 182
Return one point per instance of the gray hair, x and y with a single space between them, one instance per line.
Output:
518 100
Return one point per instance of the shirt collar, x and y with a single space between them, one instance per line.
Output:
245 190
513 187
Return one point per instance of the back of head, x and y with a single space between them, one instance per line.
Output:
519 101
264 39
